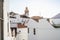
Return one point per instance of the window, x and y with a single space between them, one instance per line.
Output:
34 31
12 17
28 30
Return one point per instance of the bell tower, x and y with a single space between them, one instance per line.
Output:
26 11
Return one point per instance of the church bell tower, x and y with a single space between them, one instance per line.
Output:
26 11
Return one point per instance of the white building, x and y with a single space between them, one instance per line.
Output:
41 29
16 21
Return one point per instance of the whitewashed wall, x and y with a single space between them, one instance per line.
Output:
44 31
56 21
22 34
5 27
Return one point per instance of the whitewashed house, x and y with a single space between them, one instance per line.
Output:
18 27
38 30
18 23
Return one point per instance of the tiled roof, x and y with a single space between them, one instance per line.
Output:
36 18
23 16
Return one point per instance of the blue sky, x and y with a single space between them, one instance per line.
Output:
45 8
